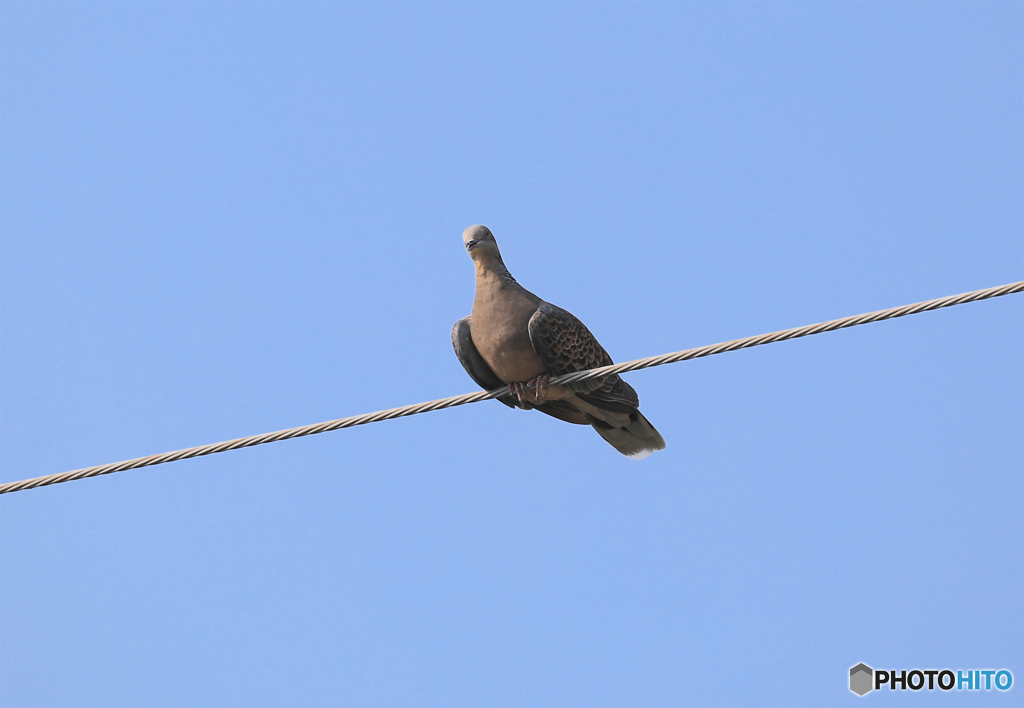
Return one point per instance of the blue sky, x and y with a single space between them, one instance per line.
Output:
222 219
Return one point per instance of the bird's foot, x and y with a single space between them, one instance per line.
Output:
518 391
530 393
540 387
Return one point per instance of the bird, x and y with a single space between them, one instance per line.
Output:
514 338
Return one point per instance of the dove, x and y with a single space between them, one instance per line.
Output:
514 338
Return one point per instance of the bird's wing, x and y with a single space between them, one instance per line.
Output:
565 345
610 404
473 363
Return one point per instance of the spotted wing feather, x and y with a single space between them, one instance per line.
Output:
565 345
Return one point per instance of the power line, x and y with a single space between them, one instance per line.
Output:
485 395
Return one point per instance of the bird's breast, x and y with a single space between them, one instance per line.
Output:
500 329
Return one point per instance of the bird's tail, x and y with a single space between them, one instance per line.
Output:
636 439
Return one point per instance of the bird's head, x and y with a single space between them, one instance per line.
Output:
480 242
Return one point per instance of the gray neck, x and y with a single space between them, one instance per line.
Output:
495 266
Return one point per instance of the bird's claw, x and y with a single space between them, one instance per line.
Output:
521 391
518 393
540 387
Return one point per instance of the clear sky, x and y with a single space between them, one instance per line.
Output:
223 219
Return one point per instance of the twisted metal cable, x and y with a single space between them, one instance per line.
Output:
486 395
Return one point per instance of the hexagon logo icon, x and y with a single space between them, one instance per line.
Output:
860 679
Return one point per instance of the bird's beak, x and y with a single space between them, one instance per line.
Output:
471 244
